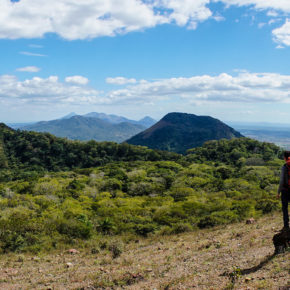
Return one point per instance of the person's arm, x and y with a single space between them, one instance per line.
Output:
282 181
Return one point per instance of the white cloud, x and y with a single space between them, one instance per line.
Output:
272 21
87 19
272 13
282 34
32 54
35 46
261 24
73 19
245 87
274 8
279 46
31 69
49 91
218 18
120 81
79 80
273 5
186 12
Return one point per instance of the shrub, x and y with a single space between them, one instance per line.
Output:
116 249
75 228
267 205
144 230
181 228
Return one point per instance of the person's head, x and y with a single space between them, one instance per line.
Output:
286 155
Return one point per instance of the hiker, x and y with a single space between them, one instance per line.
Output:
284 189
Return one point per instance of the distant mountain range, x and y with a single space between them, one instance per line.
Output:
176 132
114 119
179 132
96 126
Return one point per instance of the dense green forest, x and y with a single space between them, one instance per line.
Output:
67 192
31 153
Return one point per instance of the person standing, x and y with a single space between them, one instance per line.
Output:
284 189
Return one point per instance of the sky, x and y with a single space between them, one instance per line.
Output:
229 59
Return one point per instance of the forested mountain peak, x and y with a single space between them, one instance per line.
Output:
179 132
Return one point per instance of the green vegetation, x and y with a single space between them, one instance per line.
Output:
28 154
104 189
242 151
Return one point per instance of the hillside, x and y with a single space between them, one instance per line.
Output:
87 128
179 132
140 218
33 151
237 256
123 196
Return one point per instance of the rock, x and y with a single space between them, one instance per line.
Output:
69 265
73 251
281 241
247 279
250 221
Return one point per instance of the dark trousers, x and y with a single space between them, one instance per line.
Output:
285 197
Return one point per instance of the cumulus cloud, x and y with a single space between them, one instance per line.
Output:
31 69
120 81
246 87
73 19
282 34
79 80
46 91
87 19
186 12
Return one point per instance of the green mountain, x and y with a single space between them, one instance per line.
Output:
179 132
87 128
33 151
102 190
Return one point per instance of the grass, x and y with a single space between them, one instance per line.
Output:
236 256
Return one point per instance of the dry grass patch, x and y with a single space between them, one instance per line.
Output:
236 256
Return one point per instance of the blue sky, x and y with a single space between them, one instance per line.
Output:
228 59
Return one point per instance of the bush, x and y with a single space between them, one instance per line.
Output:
75 229
144 230
116 249
267 205
217 218
181 228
